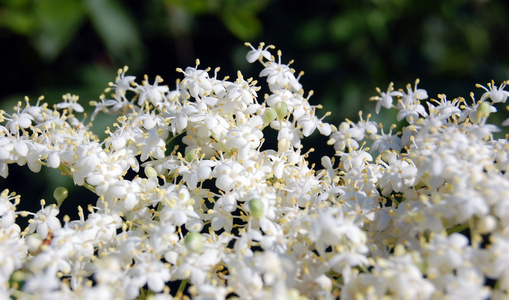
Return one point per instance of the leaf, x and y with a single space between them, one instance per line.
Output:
117 30
243 24
21 22
196 7
58 22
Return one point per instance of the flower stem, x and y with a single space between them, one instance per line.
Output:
172 138
65 170
457 228
181 289
213 135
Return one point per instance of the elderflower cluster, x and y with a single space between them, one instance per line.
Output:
419 211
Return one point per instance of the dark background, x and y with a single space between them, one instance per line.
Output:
346 48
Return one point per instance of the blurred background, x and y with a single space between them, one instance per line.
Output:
346 48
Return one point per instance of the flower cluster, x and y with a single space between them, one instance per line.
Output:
215 213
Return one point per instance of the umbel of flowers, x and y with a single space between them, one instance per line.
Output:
421 213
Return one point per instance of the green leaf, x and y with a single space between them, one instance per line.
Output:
196 7
117 30
21 22
243 24
58 22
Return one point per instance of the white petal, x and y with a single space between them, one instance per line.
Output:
53 160
21 148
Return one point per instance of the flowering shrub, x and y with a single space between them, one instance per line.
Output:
420 213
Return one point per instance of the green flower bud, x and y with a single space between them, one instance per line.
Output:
385 155
483 111
150 172
194 242
191 155
256 208
60 194
269 115
281 109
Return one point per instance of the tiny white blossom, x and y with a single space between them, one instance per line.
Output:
45 220
385 99
496 94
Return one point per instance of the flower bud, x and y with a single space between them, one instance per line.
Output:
60 194
150 172
34 243
269 115
191 155
194 242
284 145
483 111
281 109
293 294
385 155
486 224
256 208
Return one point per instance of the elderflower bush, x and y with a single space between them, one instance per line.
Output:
421 213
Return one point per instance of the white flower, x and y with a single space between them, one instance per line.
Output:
221 219
152 93
8 210
280 76
355 159
21 120
196 81
445 254
497 95
232 216
245 137
444 107
409 105
123 83
151 145
103 227
196 265
242 91
383 141
195 171
70 103
385 98
309 125
127 191
42 284
411 112
477 112
288 132
328 229
229 174
45 220
413 95
104 177
207 292
244 280
399 172
345 137
467 283
152 272
13 251
178 210
258 54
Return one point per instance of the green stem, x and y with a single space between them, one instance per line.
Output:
213 135
65 170
457 228
182 287
173 137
